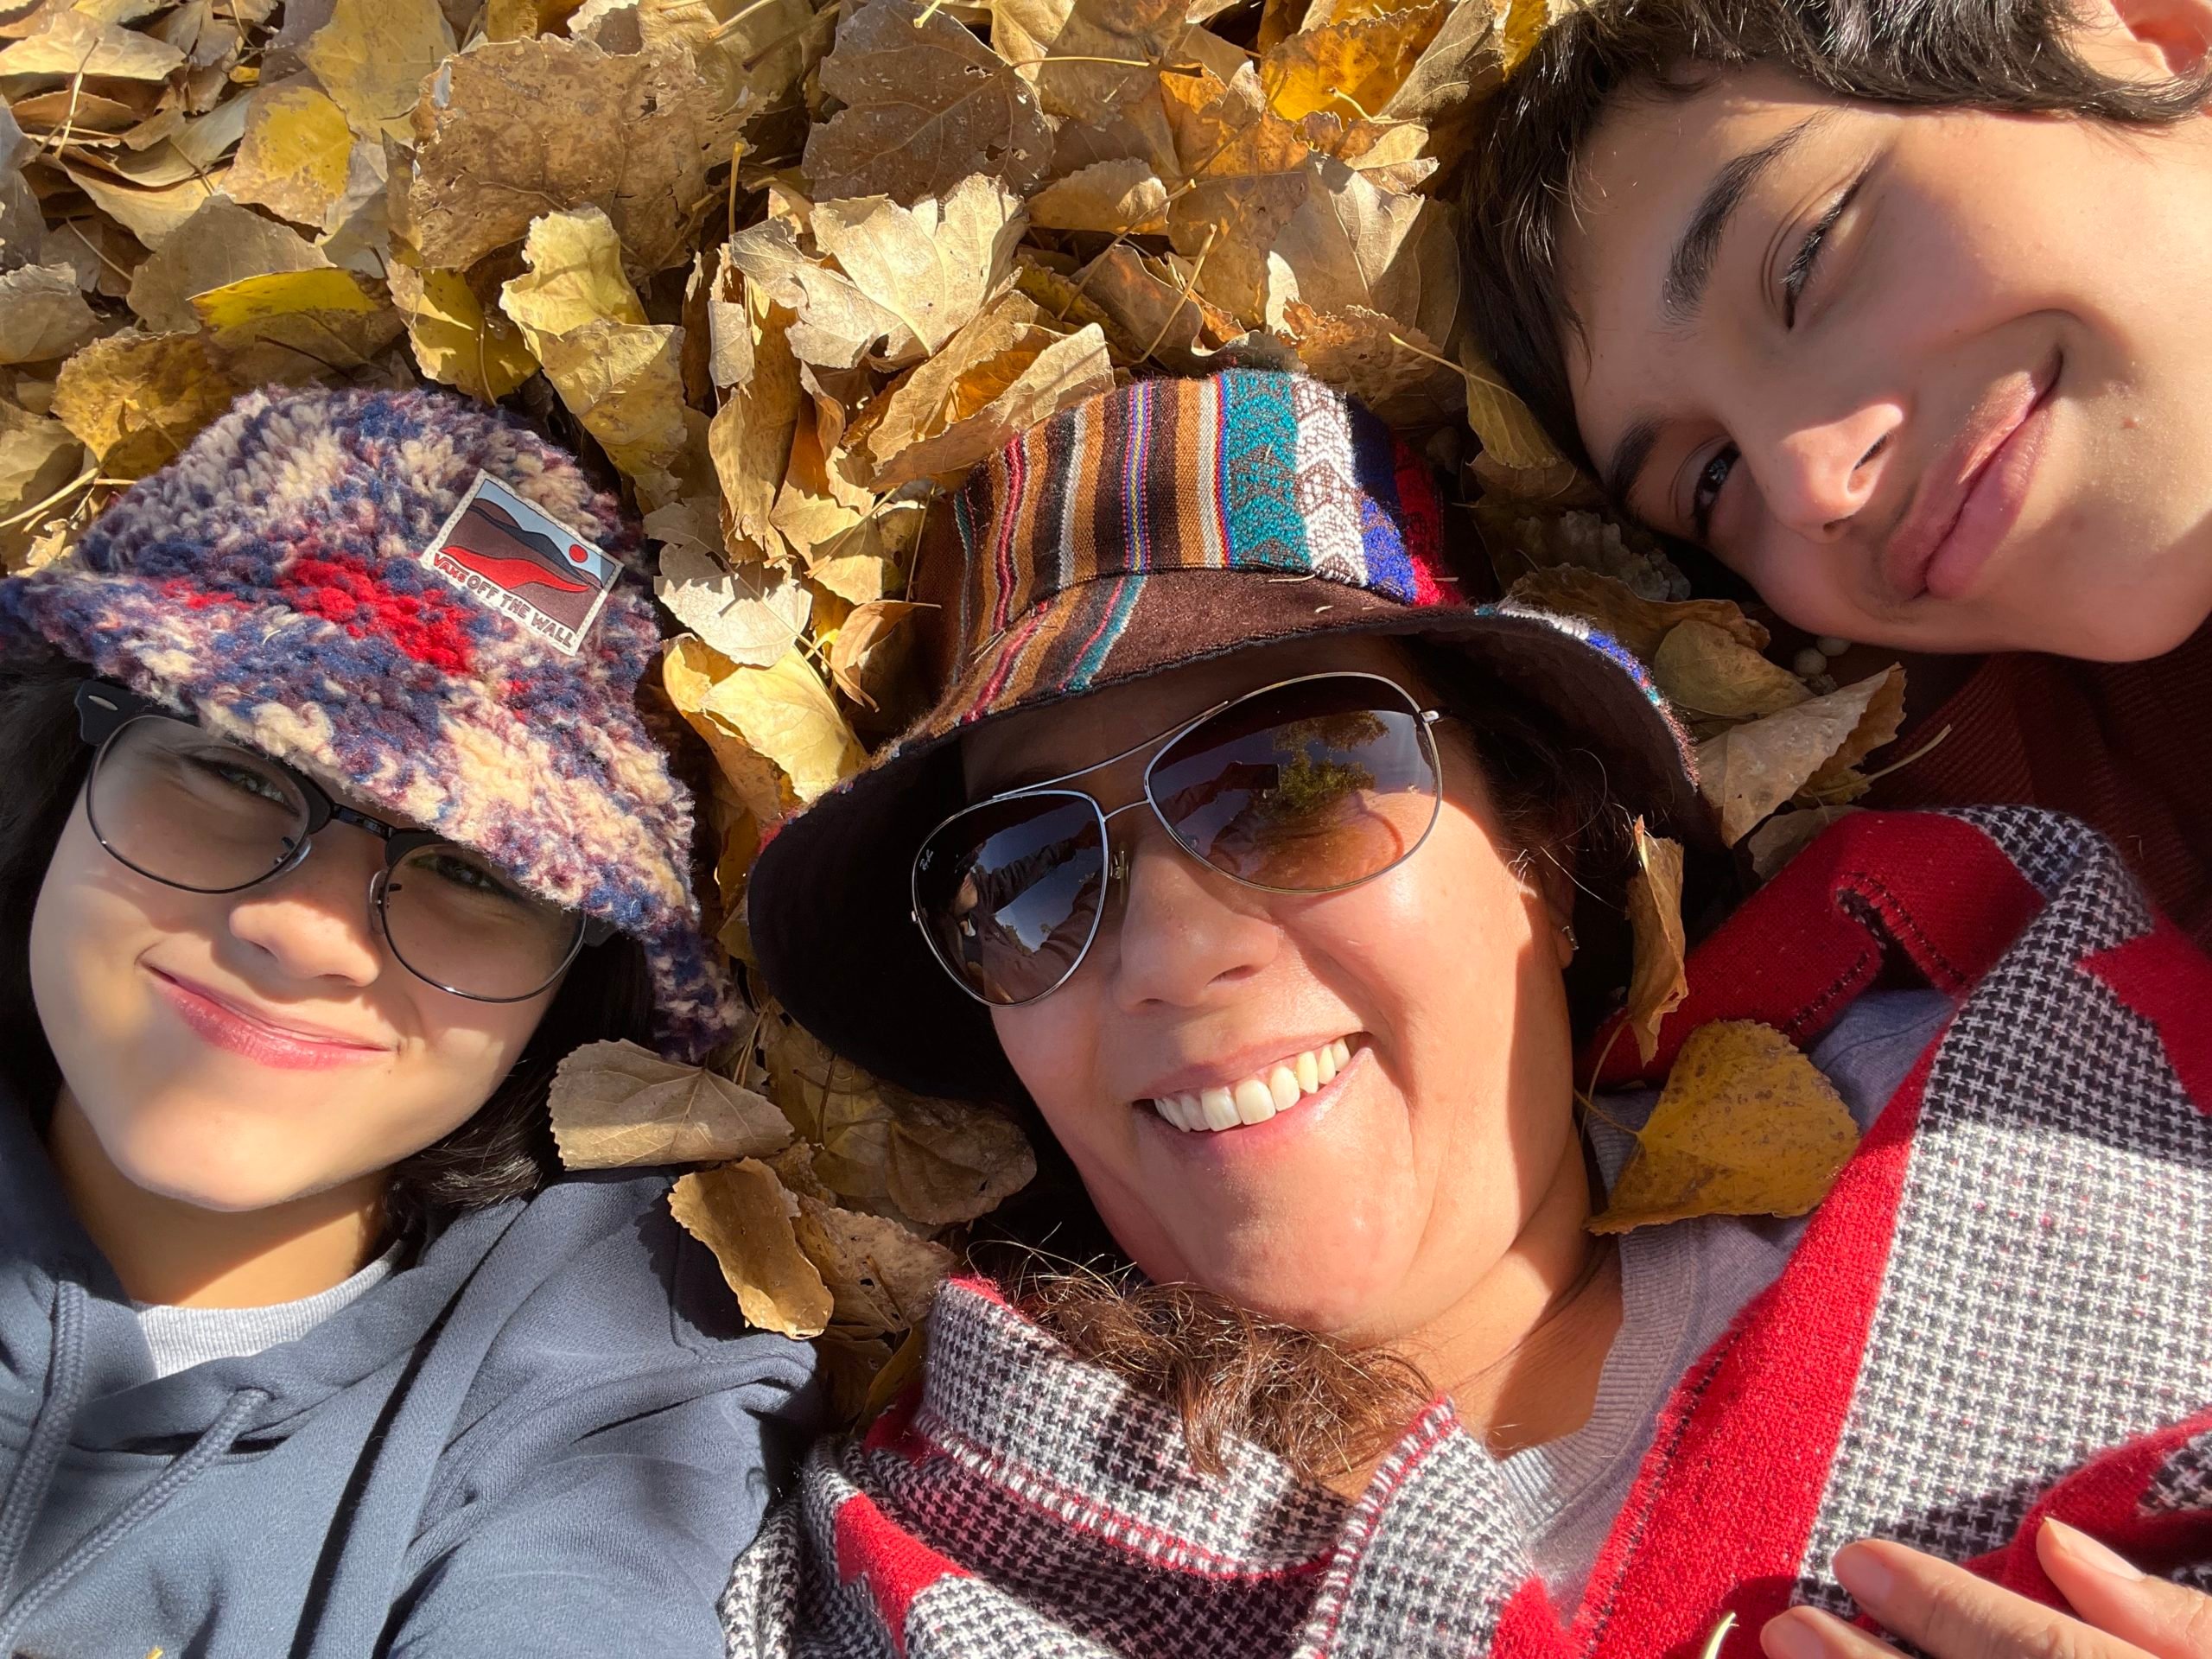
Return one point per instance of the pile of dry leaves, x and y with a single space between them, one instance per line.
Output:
787 267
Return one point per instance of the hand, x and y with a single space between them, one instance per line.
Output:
2119 1613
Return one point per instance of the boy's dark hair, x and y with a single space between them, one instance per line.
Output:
2013 57
505 1151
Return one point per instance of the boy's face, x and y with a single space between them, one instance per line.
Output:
1936 379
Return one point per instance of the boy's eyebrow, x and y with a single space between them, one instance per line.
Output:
1690 267
1629 454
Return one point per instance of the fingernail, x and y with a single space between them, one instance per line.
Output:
1864 1574
1791 1639
2088 1551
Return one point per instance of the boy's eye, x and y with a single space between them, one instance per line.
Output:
1799 271
1705 491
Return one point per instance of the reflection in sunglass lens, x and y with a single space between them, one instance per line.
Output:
190 810
456 921
1307 788
1008 892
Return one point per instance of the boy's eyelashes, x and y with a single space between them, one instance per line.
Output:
1797 272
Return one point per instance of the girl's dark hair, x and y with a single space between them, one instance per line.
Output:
505 1151
1323 1406
2013 57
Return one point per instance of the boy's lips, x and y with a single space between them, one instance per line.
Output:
1971 495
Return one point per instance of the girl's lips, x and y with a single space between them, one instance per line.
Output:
223 1024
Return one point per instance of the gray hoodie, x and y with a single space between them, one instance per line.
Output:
547 1435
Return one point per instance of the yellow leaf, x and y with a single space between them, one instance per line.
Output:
741 1212
295 155
1148 315
1351 67
1657 984
42 315
997 377
152 215
749 440
1387 365
72 44
260 299
753 615
135 399
1089 58
882 1277
574 277
1785 835
1353 244
1121 197
1464 63
219 243
372 58
782 714
615 1105
1746 1126
951 1162
1525 23
869 649
1247 172
38 458
1501 420
1706 671
457 343
1615 608
291 324
926 106
1750 770
1839 781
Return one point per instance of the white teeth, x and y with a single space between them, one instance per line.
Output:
1220 1108
1259 1097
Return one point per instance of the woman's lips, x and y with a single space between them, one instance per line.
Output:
223 1023
1973 495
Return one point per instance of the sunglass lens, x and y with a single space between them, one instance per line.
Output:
1305 788
190 810
1008 892
455 920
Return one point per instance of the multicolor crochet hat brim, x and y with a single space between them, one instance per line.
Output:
831 900
269 583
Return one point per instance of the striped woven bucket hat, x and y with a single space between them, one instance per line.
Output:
1156 525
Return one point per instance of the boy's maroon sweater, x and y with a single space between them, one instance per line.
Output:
2125 747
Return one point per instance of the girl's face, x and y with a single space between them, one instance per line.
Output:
1370 1208
237 1050
1933 379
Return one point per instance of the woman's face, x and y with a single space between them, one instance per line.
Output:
237 1050
1933 379
1372 1207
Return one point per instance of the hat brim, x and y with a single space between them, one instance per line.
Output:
829 899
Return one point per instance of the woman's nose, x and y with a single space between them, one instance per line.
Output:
1184 932
313 922
1818 477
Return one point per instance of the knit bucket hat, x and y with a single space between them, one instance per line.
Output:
1146 529
427 606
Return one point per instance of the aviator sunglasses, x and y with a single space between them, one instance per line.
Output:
191 811
1310 786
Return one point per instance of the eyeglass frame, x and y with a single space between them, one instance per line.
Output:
106 710
1117 860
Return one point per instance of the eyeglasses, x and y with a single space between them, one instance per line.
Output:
189 810
1311 785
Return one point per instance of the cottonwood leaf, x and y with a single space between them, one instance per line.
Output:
1351 67
135 399
1148 313
508 131
753 615
372 56
1352 244
742 1213
576 276
1707 672
456 341
1658 982
220 242
1000 376
867 652
951 1162
1121 197
927 105
286 324
42 315
1524 24
73 44
883 1278
1839 781
1464 63
782 715
1745 1126
932 265
296 155
153 215
1750 770
1389 365
1508 431
1246 172
614 1105
837 325
1615 609
1785 835
1088 58
749 440
38 457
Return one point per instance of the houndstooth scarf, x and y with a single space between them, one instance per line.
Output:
2003 1311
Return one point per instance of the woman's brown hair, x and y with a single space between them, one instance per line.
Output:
1325 1407
505 1151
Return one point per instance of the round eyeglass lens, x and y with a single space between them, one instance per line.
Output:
188 808
454 918
1008 892
1309 787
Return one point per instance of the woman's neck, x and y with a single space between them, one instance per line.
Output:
168 1251
1522 1353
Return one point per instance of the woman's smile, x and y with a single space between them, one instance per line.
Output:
1304 1076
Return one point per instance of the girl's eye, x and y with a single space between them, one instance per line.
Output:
465 873
246 779
1706 491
